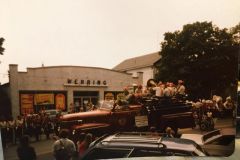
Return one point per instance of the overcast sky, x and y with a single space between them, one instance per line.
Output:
98 33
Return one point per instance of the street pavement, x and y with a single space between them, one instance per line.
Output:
43 148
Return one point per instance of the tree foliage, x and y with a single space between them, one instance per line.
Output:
1 48
202 55
235 31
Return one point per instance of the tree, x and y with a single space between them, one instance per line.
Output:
202 55
1 48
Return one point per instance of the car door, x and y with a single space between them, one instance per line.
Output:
122 117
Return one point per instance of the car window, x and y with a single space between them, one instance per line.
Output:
106 153
223 140
211 136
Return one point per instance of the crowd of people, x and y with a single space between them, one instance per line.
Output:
33 125
216 105
158 90
214 108
161 89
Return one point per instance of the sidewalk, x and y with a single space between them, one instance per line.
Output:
41 147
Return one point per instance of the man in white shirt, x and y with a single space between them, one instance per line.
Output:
159 90
181 88
64 145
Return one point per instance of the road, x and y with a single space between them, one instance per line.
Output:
43 148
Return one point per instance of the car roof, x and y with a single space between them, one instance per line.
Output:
146 140
132 139
179 144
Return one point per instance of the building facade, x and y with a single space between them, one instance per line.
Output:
144 64
63 87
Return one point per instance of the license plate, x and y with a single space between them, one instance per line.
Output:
141 121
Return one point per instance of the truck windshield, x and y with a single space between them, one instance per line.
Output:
106 105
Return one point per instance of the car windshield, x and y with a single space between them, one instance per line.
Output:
106 105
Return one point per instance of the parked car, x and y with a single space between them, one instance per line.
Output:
140 144
53 112
215 143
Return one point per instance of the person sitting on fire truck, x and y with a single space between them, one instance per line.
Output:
181 88
159 89
138 91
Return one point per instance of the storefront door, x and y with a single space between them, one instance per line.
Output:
83 100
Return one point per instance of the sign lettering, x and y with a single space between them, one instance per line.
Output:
86 82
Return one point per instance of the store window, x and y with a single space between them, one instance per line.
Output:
84 100
37 101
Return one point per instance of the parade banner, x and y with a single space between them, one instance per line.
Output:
60 101
43 99
26 101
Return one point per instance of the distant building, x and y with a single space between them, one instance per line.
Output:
144 64
62 87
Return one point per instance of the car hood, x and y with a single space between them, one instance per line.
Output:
219 150
210 136
76 116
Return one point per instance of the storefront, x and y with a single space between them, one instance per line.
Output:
35 101
64 87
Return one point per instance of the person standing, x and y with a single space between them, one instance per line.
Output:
181 88
79 144
3 127
84 145
64 148
25 151
18 128
47 126
10 130
37 127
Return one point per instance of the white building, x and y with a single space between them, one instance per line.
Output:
144 64
59 87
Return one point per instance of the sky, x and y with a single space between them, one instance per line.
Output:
97 33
